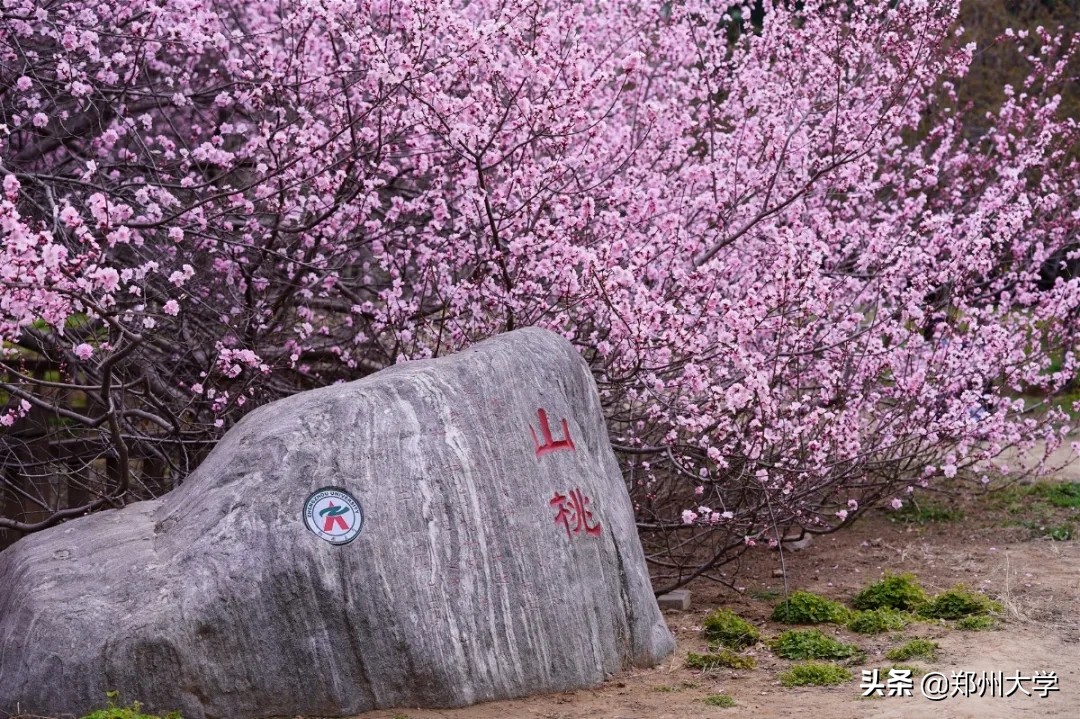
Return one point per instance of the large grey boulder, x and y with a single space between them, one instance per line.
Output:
496 556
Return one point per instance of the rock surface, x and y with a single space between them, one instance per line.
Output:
497 557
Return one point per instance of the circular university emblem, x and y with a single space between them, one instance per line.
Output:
333 514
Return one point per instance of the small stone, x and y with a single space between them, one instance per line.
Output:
778 572
678 599
795 543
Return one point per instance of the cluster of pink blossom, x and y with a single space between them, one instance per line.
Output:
800 297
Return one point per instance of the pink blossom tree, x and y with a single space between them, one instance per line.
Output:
805 288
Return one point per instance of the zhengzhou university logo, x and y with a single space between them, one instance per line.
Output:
333 514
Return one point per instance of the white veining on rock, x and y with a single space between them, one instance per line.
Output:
461 586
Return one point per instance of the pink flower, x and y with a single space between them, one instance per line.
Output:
179 277
52 255
771 331
11 186
70 217
108 278
84 351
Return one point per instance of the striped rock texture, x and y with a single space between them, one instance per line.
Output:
497 557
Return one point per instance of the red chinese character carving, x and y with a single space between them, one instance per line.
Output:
549 444
574 509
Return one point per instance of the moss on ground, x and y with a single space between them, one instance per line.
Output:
914 649
815 674
728 629
958 602
976 622
893 591
915 671
876 621
811 644
809 608
720 659
719 700
114 710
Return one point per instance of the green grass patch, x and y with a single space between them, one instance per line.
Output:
114 710
876 621
728 629
883 673
1047 510
721 659
976 622
78 320
1059 494
914 649
1044 527
1061 532
1040 499
811 644
914 513
893 591
815 674
809 608
719 700
958 602
764 595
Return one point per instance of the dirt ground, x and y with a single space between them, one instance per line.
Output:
1000 544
